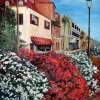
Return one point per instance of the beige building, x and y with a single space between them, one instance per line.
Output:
34 28
70 33
65 32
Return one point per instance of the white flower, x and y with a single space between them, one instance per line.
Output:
20 77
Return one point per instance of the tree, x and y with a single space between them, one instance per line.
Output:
7 28
83 40
82 35
56 23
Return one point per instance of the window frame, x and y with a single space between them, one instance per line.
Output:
20 18
46 24
32 20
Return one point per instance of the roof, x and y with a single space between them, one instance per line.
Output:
30 5
41 41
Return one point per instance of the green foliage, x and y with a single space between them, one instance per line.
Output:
7 28
56 23
82 35
65 19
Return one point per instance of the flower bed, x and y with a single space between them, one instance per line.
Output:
64 78
87 70
20 80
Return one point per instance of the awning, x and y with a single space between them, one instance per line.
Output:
41 41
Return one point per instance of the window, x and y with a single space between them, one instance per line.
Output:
73 25
47 24
20 19
31 46
34 19
75 34
77 28
44 48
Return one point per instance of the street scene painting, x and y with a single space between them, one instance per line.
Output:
49 50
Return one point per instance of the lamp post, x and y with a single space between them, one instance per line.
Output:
89 4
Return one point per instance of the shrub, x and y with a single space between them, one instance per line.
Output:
64 78
87 70
26 53
19 80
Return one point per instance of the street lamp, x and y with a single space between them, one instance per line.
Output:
89 4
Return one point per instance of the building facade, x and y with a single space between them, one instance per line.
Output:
34 26
65 32
70 34
56 29
75 36
46 7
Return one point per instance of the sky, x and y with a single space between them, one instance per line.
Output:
77 10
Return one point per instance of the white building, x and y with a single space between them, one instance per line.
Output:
34 28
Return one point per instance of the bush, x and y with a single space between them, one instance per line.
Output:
26 53
87 70
64 78
19 80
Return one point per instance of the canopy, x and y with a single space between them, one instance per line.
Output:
41 41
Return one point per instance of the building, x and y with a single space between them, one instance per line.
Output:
34 26
56 28
46 7
65 32
70 33
75 36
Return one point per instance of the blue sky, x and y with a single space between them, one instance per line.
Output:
77 10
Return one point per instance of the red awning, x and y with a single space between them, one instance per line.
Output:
41 41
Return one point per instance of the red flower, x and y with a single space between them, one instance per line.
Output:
64 78
66 75
26 53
